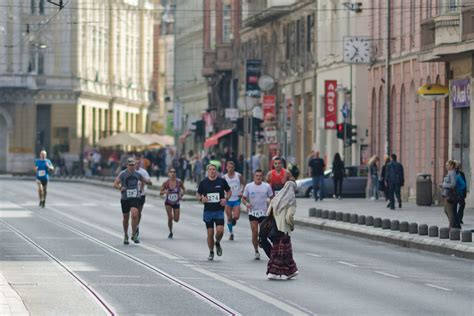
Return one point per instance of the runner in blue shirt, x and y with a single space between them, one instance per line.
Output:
43 167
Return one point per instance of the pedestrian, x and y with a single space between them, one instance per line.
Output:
461 184
213 192
173 189
383 179
130 183
374 177
394 179
278 176
282 208
197 170
338 175
43 167
232 206
255 197
147 181
316 169
448 194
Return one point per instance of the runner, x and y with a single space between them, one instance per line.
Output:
278 176
147 180
232 207
255 198
174 190
130 183
43 167
214 193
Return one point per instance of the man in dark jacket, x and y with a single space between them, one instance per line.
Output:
394 179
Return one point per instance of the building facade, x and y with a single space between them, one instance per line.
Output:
417 130
68 79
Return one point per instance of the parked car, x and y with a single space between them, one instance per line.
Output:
354 185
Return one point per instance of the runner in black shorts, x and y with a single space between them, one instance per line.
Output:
213 192
130 183
174 190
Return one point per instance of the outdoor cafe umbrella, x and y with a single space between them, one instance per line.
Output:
124 139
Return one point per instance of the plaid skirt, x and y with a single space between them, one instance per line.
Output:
281 258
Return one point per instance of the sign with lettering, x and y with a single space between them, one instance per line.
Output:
330 99
460 92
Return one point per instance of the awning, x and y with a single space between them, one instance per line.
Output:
214 139
136 140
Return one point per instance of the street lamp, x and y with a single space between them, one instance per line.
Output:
245 106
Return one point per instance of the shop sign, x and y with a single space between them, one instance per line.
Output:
460 92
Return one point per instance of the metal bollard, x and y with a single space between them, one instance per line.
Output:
354 218
312 212
433 231
339 216
444 233
377 222
395 225
386 223
404 227
369 221
466 236
332 215
423 230
319 212
413 228
361 220
346 217
325 214
454 234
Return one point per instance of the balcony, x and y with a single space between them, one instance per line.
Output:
427 35
441 30
263 11
224 57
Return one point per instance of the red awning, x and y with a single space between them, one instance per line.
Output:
214 139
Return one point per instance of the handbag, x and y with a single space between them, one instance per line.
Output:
268 227
453 196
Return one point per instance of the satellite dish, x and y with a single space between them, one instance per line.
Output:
266 83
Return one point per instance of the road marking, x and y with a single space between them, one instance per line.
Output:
347 264
387 274
438 287
312 255
120 276
262 296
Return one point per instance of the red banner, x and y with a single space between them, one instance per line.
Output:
268 105
330 98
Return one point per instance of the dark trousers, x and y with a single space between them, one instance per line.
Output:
394 189
338 186
318 187
459 212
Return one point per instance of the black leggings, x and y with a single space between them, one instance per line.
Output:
338 186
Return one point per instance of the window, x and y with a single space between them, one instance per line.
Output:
33 6
40 63
41 7
226 24
298 32
309 33
453 5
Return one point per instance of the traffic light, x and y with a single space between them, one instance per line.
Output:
347 132
352 134
340 130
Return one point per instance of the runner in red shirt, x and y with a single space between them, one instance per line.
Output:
278 176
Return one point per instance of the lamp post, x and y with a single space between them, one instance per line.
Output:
246 106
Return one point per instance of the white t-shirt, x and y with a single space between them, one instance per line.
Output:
257 195
146 176
235 186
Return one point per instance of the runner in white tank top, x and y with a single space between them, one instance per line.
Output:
232 207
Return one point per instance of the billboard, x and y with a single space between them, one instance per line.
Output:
330 104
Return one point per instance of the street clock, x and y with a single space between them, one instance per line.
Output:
357 49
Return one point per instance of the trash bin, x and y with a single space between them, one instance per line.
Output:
423 189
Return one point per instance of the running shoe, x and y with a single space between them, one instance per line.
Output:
125 240
40 204
231 237
218 249
272 276
135 238
257 256
44 202
211 256
170 236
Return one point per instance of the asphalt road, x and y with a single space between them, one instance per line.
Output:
70 259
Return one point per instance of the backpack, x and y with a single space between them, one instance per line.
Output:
460 184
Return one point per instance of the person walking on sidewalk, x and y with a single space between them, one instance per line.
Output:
374 177
43 167
338 175
213 192
383 176
232 206
448 194
461 184
316 169
173 189
282 208
255 197
395 179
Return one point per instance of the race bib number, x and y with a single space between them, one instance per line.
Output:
257 213
41 173
213 197
132 193
173 197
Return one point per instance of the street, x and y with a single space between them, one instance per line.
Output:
76 263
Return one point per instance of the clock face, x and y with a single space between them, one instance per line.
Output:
356 50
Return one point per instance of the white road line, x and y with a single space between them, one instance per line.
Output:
312 255
119 276
387 274
262 296
438 287
347 264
